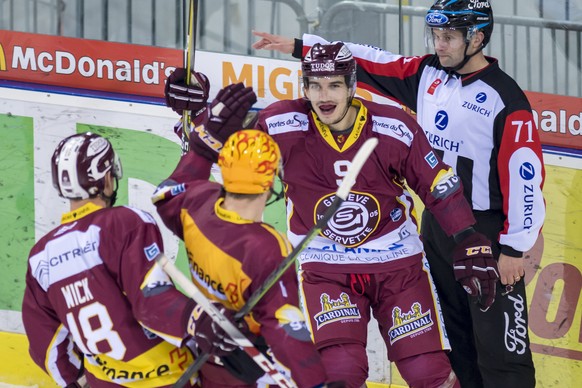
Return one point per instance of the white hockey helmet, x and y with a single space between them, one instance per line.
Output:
79 165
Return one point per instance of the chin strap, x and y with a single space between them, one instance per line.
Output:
275 196
454 69
110 199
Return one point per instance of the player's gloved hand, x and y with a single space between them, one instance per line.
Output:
210 337
180 96
228 113
476 269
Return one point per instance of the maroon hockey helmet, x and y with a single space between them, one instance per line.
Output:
328 60
79 165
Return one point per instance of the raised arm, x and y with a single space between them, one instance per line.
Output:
273 42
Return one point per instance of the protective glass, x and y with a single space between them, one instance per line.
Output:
450 38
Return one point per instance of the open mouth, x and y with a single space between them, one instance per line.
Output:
327 109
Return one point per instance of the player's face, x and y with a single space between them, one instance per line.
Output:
329 97
449 46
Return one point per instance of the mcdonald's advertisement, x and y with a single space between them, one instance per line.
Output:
51 87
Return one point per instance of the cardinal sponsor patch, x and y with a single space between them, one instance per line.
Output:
410 323
333 310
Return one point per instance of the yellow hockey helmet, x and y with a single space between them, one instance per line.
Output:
249 162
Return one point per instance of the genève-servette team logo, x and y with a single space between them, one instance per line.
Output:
355 220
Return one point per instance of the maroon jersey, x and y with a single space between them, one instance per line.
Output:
94 298
376 225
503 140
230 257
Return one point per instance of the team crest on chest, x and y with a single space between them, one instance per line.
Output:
333 310
355 220
409 324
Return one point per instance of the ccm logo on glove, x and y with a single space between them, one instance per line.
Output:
472 251
476 269
207 139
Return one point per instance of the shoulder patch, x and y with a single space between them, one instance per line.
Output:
145 216
393 128
152 251
168 189
287 122
431 159
66 256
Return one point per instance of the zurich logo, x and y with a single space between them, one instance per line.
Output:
436 19
481 97
441 120
527 171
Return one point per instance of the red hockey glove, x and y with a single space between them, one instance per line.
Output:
227 114
210 337
476 269
180 96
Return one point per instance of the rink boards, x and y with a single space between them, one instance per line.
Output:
32 123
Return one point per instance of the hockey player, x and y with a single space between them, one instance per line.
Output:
230 250
370 256
95 303
478 120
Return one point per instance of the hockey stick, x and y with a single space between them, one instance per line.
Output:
342 192
231 330
340 196
189 54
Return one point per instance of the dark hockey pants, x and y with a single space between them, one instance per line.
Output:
489 349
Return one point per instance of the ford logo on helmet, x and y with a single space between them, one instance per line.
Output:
436 19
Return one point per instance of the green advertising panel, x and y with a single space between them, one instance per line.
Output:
143 155
16 206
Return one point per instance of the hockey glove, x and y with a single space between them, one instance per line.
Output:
210 337
476 269
180 96
240 365
227 114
